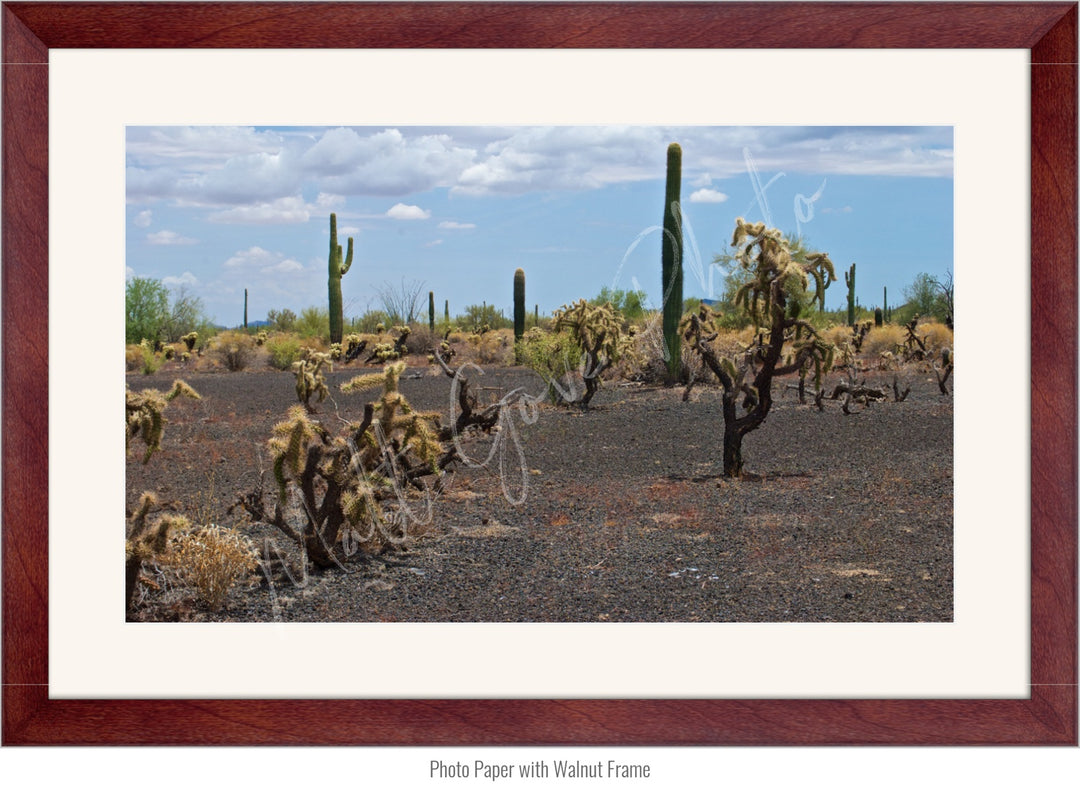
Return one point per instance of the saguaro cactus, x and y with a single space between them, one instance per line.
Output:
431 310
671 263
849 281
245 308
885 304
519 303
338 268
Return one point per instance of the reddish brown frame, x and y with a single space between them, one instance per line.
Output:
1048 716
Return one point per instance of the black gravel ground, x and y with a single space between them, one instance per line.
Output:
614 514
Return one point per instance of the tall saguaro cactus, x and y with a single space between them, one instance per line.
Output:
671 263
885 303
338 268
519 310
849 281
431 310
519 303
245 308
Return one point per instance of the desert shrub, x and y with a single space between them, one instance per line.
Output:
145 358
313 323
493 347
837 334
422 340
133 357
283 320
936 336
553 355
646 362
887 338
366 324
284 349
212 559
234 350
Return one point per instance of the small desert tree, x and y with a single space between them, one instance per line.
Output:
746 377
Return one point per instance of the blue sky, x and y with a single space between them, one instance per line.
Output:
219 209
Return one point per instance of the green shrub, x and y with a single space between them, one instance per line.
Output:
284 349
314 323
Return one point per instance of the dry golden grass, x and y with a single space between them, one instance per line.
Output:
212 559
887 338
936 336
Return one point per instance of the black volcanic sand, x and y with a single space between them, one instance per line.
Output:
614 514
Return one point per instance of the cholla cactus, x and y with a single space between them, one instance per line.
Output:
310 380
597 331
145 414
190 340
764 253
146 542
343 481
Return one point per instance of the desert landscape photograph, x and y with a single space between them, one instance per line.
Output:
539 374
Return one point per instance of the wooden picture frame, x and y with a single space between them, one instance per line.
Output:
1048 716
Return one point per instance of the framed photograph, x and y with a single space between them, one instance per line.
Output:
994 85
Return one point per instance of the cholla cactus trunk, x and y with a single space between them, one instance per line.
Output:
671 263
747 377
337 268
431 310
849 281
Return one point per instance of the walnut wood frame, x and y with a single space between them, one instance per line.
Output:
1048 716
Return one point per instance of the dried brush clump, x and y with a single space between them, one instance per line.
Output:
212 559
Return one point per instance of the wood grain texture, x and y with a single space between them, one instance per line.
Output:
455 25
1049 716
25 374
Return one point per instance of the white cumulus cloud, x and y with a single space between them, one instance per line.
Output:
281 211
257 259
401 211
168 238
186 279
708 196
143 219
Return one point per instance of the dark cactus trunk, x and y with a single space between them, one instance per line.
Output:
671 264
431 310
519 304
245 308
337 268
849 281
